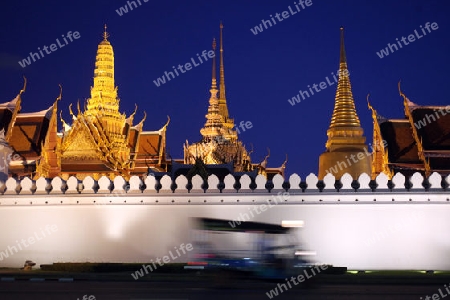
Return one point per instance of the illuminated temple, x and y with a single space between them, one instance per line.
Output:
220 151
100 140
346 149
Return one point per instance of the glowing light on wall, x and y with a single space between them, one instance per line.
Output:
298 223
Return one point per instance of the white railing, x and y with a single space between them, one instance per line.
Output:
230 184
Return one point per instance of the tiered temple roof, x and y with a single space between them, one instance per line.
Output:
418 143
100 140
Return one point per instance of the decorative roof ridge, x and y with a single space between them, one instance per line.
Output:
43 113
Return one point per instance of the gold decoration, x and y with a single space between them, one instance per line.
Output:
380 158
415 133
345 135
219 144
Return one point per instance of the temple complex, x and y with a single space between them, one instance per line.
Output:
219 145
102 141
418 143
99 140
346 151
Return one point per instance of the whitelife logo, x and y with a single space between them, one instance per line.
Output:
187 66
86 297
411 38
281 17
438 296
243 217
317 87
430 117
166 259
301 278
49 229
48 50
124 9
342 165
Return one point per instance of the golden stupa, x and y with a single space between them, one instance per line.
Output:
346 151
219 143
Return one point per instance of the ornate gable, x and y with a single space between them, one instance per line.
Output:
80 145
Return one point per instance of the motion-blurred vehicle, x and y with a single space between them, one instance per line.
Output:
265 251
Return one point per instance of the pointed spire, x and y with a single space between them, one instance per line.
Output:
218 125
343 59
344 113
104 92
222 71
105 34
214 80
223 108
345 135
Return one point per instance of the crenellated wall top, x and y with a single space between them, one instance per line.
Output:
230 184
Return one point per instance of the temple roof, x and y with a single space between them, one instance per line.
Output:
29 131
7 112
401 145
433 127
150 143
5 118
149 150
421 141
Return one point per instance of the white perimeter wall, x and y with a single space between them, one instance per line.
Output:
411 232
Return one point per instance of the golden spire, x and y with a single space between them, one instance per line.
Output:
213 128
214 80
345 123
222 71
344 113
219 144
104 99
222 98
345 136
105 34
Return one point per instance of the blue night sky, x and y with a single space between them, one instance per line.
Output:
262 71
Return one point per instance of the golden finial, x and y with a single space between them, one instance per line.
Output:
71 112
141 123
60 93
135 110
400 89
167 123
65 125
251 151
24 85
368 103
105 34
78 107
285 162
406 102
